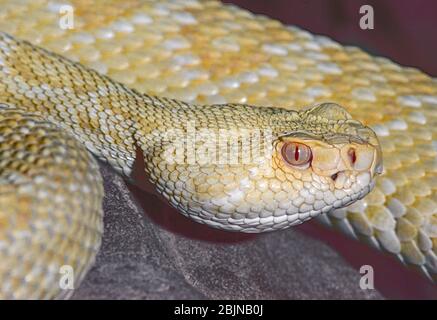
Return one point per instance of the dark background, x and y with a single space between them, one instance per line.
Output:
404 31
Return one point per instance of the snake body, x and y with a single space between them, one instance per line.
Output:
234 86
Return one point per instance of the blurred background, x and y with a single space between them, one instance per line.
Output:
405 32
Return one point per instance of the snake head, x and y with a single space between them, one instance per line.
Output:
318 160
331 160
321 159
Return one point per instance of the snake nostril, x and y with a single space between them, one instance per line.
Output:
334 176
352 155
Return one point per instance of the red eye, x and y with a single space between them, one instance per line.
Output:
296 154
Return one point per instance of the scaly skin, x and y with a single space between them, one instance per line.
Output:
204 53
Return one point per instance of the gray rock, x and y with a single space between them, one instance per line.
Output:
150 251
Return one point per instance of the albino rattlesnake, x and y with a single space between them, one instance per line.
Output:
203 53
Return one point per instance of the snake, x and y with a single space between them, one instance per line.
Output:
240 122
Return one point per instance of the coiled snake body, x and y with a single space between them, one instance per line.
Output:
215 158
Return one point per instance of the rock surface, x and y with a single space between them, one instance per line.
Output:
151 252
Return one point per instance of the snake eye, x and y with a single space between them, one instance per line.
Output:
296 154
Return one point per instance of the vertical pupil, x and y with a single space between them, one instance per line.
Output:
295 153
